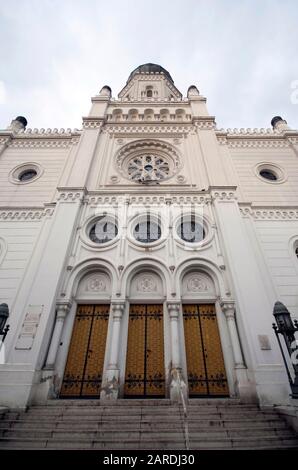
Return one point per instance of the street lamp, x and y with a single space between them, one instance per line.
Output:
287 329
4 313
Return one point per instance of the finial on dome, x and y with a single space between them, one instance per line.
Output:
279 124
192 91
106 91
18 124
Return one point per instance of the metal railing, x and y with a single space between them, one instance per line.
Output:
185 417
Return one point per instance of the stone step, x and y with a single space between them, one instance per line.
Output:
131 416
141 424
147 443
206 424
168 434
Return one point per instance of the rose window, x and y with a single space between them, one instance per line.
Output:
148 168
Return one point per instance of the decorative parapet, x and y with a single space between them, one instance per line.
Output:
269 213
257 138
40 138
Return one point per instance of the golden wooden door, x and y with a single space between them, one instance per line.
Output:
145 376
84 366
205 364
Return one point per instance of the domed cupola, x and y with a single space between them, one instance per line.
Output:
150 69
150 82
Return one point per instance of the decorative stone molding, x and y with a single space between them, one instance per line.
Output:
70 196
148 200
117 310
269 213
91 123
5 140
26 214
173 309
146 283
260 143
228 308
43 138
205 124
63 309
177 130
94 284
51 132
224 195
197 283
222 140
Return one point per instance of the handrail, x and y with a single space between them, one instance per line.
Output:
185 420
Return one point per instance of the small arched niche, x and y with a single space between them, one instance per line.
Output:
148 114
146 285
197 285
94 286
133 114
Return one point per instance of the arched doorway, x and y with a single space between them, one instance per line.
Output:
85 361
145 363
206 372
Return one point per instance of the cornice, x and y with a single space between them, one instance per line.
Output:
71 194
148 128
269 213
223 193
40 138
32 213
93 123
256 138
150 199
204 123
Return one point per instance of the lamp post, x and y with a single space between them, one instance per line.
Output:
285 327
4 313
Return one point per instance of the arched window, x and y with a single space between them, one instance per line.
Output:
149 93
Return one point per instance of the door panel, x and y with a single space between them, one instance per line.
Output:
145 352
83 371
205 364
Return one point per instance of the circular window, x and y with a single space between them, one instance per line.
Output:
25 173
148 161
268 175
103 230
148 168
147 231
191 231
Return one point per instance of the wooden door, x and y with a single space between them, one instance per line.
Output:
205 363
83 371
145 375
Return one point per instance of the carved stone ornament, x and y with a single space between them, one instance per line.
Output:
197 284
146 283
96 283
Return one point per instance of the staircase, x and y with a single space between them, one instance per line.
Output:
145 424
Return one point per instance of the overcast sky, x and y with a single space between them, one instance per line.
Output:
56 54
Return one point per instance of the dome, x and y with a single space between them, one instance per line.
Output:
150 68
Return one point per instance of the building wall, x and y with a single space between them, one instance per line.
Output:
248 254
